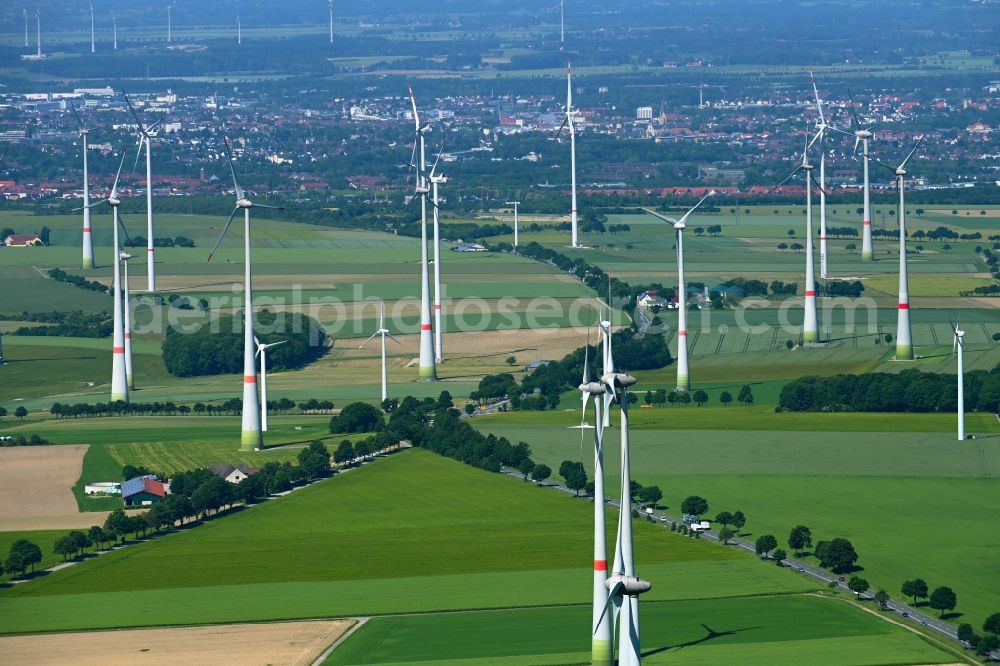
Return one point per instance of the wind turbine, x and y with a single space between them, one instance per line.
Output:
88 242
144 141
119 379
820 137
114 24
93 42
427 369
438 179
25 27
570 125
262 350
602 645
683 378
127 321
958 345
38 27
170 23
239 30
383 331
562 25
862 135
514 204
623 585
810 321
904 343
250 438
330 4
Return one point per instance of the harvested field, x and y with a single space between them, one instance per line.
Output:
36 481
276 643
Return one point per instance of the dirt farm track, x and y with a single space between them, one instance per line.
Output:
272 643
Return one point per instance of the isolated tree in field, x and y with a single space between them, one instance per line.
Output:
779 555
915 589
765 544
987 644
574 475
745 396
20 413
63 546
992 624
882 599
799 539
694 505
724 518
942 599
839 555
650 495
725 398
357 417
540 473
3 413
725 534
739 520
700 397
511 361
858 585
967 634
344 453
782 246
526 466
29 553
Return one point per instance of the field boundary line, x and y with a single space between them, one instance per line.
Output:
358 623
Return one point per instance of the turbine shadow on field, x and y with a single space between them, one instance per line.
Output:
710 635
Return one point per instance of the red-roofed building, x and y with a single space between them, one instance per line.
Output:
22 240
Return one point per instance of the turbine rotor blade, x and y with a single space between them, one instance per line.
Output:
370 338
392 337
76 115
223 234
613 593
135 116
662 217
919 141
232 170
114 188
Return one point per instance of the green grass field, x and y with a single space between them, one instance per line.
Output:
887 482
442 528
754 630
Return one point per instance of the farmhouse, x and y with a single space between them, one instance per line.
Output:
143 491
22 240
233 473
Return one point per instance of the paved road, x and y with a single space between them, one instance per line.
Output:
929 621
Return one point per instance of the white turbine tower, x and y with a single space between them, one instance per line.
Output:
144 140
170 23
904 340
437 179
330 5
515 205
93 41
38 28
127 320
810 320
862 135
820 137
119 379
683 376
88 241
562 25
382 331
250 437
602 643
262 351
571 127
26 27
958 344
623 585
427 369
114 25
239 30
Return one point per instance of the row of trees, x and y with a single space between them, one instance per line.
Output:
75 324
907 391
941 599
21 440
988 642
77 281
19 413
231 407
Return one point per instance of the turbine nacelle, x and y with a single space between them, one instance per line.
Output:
863 133
593 388
244 203
627 586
